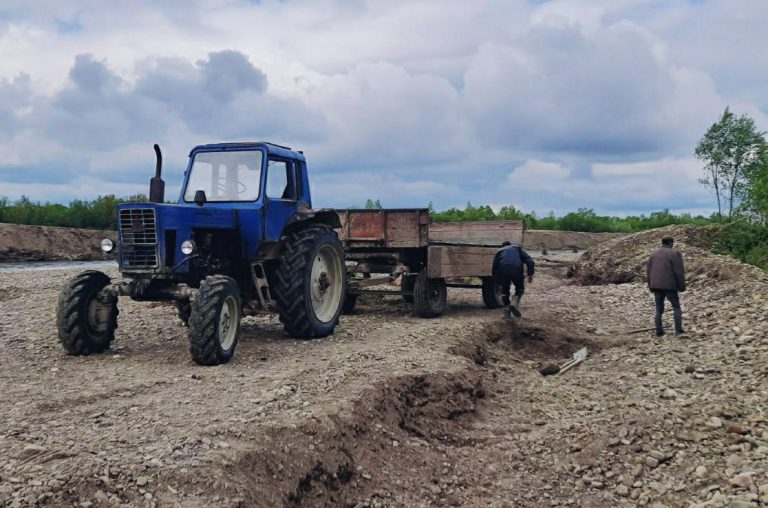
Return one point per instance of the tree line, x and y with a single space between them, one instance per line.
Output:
99 213
733 151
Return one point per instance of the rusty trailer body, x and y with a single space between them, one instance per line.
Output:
425 257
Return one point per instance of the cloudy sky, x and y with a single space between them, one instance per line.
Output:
546 105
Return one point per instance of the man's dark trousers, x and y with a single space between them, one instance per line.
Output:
508 275
674 300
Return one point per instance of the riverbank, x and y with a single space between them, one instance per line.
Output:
19 243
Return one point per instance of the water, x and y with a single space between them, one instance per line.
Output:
40 266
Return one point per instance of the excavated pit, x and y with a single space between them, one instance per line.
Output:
392 433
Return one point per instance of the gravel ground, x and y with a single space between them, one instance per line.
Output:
394 410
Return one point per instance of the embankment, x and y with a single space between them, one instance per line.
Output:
535 239
47 243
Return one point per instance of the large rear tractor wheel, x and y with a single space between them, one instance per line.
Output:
491 293
310 282
429 295
407 282
85 324
214 321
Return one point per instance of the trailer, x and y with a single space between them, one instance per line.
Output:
403 247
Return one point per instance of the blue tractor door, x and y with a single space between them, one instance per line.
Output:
282 195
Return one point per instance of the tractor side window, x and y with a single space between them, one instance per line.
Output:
280 180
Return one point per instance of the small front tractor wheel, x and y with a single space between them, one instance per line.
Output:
429 295
310 282
86 324
491 293
214 321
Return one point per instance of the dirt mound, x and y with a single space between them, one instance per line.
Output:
624 260
46 243
557 240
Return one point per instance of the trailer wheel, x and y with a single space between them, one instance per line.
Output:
407 282
310 282
85 325
350 301
491 293
183 311
429 295
214 321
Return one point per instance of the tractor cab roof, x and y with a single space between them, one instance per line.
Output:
271 148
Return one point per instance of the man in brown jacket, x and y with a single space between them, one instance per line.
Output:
666 276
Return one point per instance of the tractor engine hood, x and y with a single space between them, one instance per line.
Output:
150 234
133 217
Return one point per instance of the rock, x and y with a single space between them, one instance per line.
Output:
669 393
622 491
651 462
701 471
735 428
738 503
743 481
33 449
735 462
714 422
142 481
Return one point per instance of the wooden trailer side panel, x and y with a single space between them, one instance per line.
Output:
491 233
460 261
384 228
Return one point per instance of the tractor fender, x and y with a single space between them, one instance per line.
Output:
304 216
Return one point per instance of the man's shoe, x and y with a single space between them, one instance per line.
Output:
660 335
515 311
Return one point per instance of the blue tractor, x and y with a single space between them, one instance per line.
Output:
242 238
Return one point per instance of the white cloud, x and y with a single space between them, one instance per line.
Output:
407 101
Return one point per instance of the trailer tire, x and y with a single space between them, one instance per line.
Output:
214 322
311 264
491 293
429 295
80 330
407 282
350 301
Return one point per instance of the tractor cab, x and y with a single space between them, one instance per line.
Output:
254 188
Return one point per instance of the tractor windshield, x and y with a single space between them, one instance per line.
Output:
225 176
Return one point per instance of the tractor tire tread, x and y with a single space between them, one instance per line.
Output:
72 315
203 316
290 279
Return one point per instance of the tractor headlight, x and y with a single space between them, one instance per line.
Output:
107 245
187 247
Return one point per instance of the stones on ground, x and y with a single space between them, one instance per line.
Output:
743 481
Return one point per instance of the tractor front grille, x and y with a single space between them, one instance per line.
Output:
138 235
138 226
139 256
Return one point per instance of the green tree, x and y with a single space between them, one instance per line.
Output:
732 150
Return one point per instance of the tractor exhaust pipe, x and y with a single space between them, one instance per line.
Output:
156 184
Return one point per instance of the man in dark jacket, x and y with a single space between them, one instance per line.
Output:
508 269
666 276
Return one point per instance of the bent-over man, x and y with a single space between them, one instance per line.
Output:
508 269
666 277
